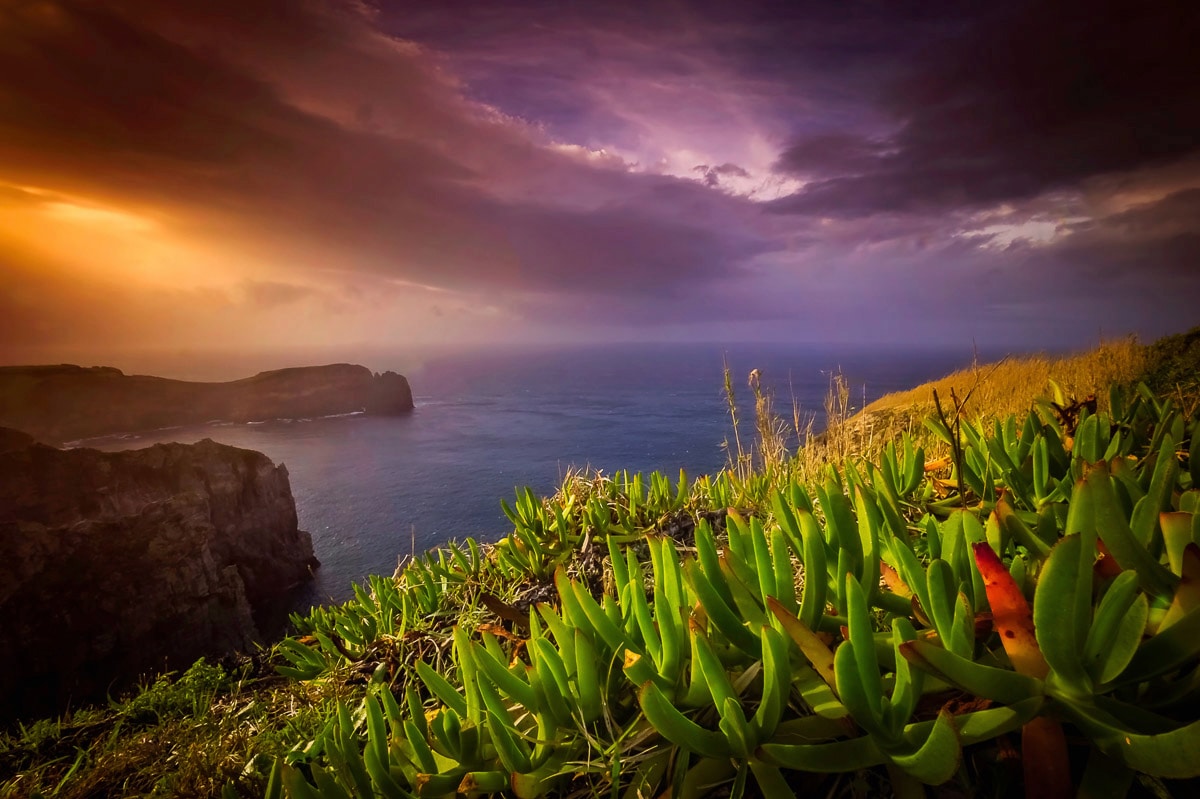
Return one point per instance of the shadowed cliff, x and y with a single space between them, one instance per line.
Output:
57 404
118 563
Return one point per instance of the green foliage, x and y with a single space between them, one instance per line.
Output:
1173 367
777 631
191 695
208 732
825 631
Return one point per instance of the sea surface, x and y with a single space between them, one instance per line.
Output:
371 490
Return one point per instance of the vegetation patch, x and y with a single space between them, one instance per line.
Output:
989 604
1173 366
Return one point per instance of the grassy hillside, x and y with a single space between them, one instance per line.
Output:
1009 386
986 601
1173 366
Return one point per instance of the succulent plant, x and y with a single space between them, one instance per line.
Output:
868 621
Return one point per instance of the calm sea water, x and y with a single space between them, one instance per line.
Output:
370 489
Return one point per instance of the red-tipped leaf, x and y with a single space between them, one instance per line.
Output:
1011 616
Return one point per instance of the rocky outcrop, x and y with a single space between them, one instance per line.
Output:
117 563
65 403
390 394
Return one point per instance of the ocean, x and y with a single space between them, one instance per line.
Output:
370 490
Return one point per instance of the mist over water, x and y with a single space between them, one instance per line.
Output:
370 489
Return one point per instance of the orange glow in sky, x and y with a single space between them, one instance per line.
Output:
335 173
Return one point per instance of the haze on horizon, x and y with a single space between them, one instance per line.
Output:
256 176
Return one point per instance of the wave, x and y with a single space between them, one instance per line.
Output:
284 419
128 436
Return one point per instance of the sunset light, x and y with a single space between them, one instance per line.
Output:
650 157
690 399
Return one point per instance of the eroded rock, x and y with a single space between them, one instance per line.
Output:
118 563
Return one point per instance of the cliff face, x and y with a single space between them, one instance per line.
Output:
65 403
116 563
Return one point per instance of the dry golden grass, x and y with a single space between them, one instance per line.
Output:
848 434
1011 385
987 392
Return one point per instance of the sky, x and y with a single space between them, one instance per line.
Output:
259 175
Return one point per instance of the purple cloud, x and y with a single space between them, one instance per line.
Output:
1031 98
765 169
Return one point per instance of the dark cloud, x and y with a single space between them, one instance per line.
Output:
96 102
598 164
178 109
91 83
1033 97
832 155
713 174
1174 214
532 55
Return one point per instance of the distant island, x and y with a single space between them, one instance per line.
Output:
63 403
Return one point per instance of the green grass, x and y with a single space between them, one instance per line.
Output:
184 734
1173 367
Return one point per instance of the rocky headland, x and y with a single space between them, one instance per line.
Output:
119 563
58 404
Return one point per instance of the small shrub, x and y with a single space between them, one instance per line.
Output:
189 696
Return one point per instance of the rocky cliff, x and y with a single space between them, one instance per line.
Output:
116 563
65 403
